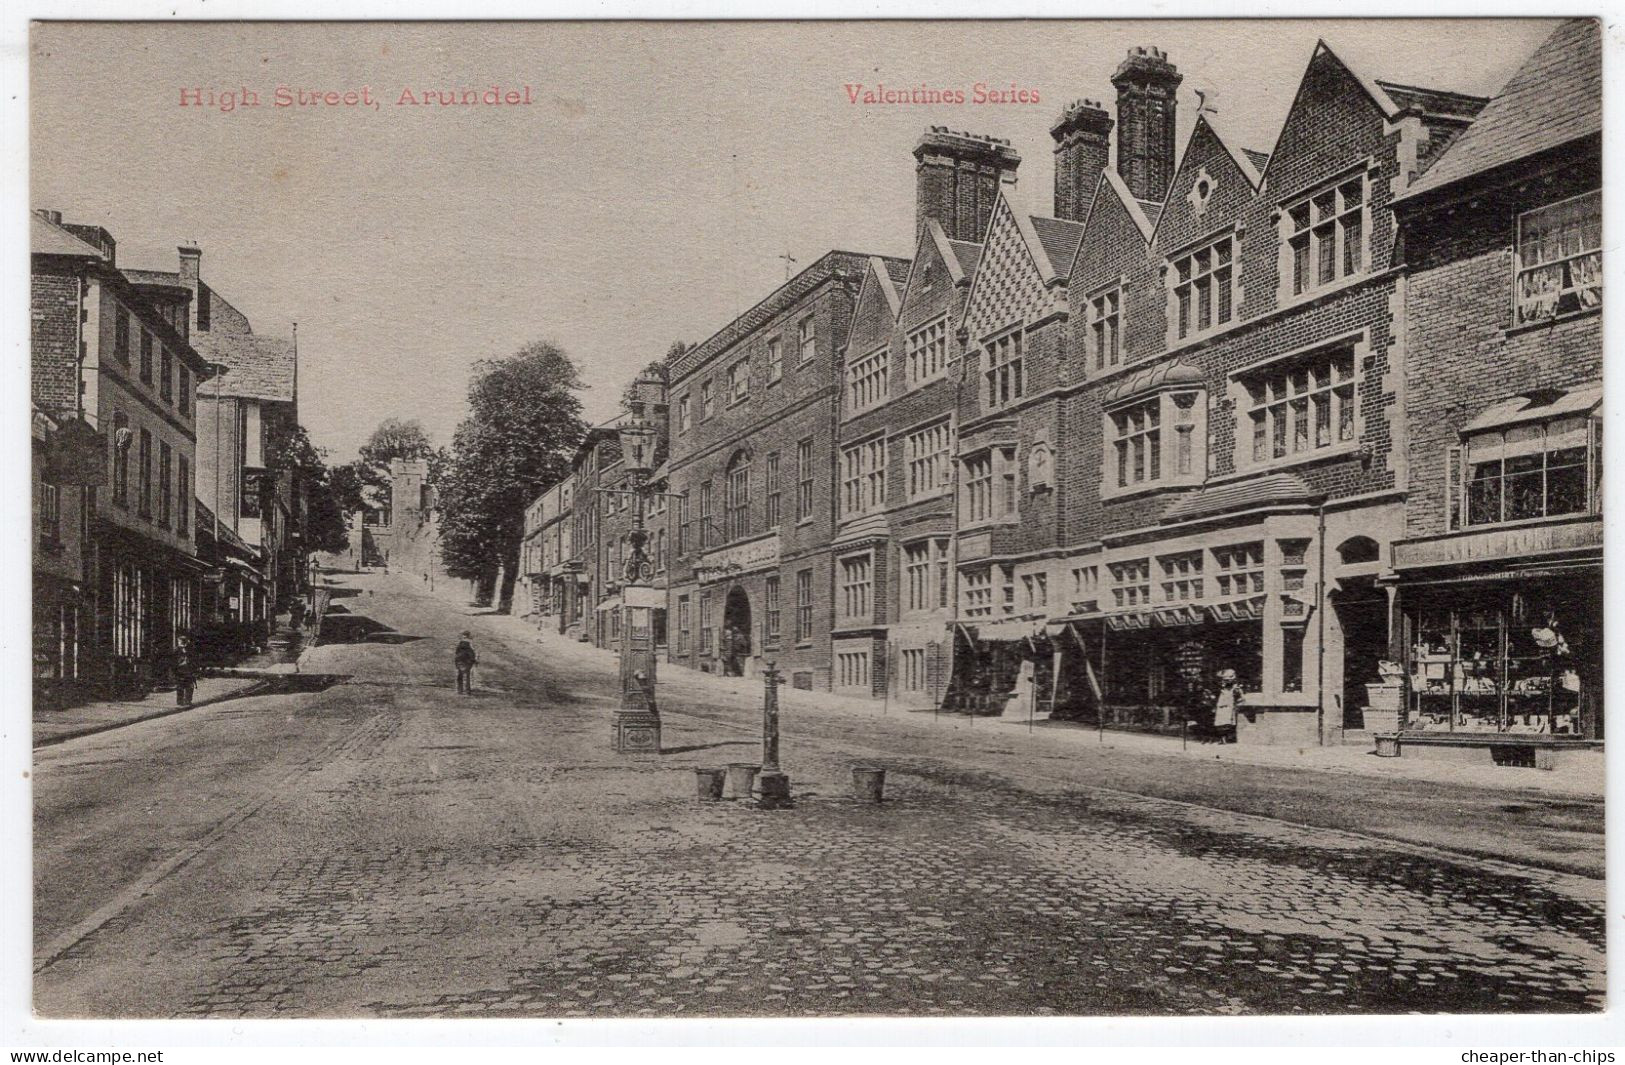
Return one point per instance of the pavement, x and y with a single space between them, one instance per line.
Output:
383 847
54 726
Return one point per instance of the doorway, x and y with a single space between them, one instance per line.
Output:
736 632
1362 613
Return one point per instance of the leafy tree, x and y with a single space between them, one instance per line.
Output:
330 494
395 438
524 422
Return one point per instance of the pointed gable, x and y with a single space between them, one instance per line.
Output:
876 309
1010 282
1331 96
932 279
1213 185
1114 240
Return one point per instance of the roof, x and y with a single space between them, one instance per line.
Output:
1554 98
1168 375
257 367
896 269
968 253
1537 406
47 239
162 278
1259 159
1059 239
1272 488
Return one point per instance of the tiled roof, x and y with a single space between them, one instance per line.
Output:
968 253
258 367
1554 98
47 239
897 269
168 279
1259 159
1060 240
1240 495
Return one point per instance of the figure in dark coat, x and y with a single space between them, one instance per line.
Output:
185 671
465 659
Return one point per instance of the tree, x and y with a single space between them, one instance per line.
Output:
658 370
395 438
330 494
524 422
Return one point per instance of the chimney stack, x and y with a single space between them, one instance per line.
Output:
957 180
1082 149
1146 83
191 257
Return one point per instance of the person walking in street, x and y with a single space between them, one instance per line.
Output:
185 671
465 660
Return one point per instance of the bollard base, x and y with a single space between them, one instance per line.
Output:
637 732
772 791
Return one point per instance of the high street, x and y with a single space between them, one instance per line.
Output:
382 846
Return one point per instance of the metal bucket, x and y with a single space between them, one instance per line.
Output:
868 783
741 775
710 784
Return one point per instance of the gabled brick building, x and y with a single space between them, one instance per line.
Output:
1242 414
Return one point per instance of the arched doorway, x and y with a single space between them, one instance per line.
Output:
736 632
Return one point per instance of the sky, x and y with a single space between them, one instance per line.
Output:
646 194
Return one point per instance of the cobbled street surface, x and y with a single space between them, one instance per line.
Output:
385 847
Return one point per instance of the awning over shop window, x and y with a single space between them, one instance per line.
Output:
1537 406
613 603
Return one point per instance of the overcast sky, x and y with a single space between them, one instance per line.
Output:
645 196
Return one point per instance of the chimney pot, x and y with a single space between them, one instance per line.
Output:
1146 85
957 180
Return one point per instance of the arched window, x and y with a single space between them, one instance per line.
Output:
738 500
1358 549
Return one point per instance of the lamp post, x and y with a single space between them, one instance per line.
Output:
637 719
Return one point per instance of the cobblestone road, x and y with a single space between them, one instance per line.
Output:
448 856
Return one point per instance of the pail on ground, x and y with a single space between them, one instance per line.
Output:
710 784
741 775
868 783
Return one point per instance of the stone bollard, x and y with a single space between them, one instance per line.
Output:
868 783
741 775
774 782
709 782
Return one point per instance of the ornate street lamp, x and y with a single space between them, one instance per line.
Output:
637 719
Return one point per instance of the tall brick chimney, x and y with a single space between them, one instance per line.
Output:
191 258
957 180
1082 150
1146 82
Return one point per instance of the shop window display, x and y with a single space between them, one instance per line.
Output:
1499 665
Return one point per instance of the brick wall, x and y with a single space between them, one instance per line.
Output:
54 337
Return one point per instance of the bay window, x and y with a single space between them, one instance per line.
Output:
857 586
1535 470
1160 440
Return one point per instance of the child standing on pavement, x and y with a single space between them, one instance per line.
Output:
464 658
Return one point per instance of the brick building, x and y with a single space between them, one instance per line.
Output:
113 378
1499 569
754 423
1235 416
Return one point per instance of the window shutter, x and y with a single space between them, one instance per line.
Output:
1453 488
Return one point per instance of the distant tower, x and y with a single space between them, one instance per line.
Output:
1146 83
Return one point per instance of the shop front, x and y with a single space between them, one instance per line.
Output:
1002 667
1503 650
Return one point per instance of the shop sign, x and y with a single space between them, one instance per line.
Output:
757 554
